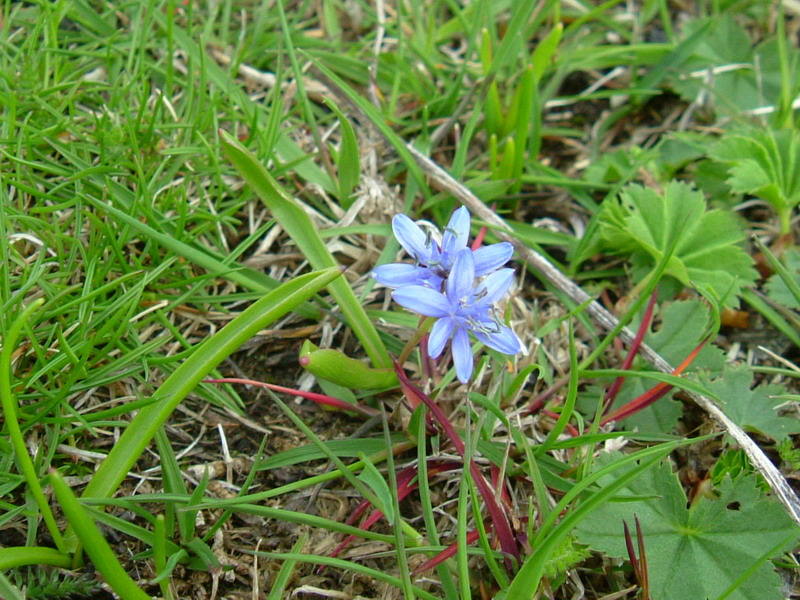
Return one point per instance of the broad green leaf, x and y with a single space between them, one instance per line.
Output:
753 410
764 163
725 68
706 255
696 552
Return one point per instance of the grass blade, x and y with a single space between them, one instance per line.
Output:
103 557
285 573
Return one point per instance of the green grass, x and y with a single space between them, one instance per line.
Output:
179 181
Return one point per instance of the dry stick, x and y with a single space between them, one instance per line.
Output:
443 180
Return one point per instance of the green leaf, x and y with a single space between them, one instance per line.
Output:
777 289
341 448
348 159
695 552
706 252
19 556
744 78
103 557
764 163
373 478
753 410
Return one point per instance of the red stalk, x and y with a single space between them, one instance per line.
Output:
314 397
449 552
634 349
405 485
571 428
481 234
653 394
499 518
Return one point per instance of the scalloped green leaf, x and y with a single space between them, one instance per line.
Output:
753 410
700 551
705 246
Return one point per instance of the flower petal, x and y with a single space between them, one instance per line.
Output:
461 281
456 233
490 258
397 274
422 300
496 286
505 340
440 334
411 237
462 355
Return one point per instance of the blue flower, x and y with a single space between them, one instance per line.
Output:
463 308
432 262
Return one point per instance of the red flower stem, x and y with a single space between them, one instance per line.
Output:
313 396
481 234
573 431
449 552
498 515
634 350
653 394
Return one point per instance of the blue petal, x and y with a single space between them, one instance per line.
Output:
490 258
461 281
496 286
456 233
422 300
441 332
397 274
462 355
505 340
412 238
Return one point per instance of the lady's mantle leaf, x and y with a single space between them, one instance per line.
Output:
753 410
695 552
706 253
764 163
